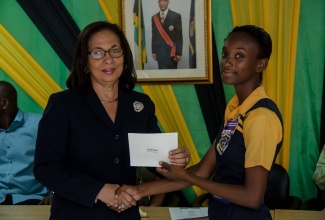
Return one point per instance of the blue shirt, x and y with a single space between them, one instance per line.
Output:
17 149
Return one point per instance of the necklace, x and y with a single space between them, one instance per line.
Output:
107 102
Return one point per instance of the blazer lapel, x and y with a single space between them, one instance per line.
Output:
123 106
94 104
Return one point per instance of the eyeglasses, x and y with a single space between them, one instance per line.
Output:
100 54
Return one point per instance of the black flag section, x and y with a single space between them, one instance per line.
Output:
212 98
55 23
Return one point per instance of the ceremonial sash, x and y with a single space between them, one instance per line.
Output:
165 36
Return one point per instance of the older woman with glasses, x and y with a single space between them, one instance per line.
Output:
82 149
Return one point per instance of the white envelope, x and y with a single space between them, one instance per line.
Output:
146 150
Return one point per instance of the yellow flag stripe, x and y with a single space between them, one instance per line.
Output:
171 119
280 19
111 10
24 70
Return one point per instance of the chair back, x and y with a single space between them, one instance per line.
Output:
277 189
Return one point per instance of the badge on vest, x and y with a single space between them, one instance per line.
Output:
228 130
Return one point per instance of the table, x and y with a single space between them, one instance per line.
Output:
42 212
159 213
281 214
24 212
162 213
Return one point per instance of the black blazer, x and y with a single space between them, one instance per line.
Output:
79 149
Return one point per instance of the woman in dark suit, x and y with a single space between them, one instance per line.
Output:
82 150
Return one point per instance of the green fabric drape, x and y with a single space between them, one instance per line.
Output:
306 113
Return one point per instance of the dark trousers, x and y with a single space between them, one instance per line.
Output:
8 201
167 63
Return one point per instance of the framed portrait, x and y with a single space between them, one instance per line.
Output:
170 40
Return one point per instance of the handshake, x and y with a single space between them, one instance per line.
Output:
126 197
119 198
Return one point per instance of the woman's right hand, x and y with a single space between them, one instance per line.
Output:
107 195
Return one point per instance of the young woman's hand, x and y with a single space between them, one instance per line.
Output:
171 171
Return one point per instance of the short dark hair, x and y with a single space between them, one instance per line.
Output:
79 79
260 36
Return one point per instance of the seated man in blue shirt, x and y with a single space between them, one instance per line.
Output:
18 131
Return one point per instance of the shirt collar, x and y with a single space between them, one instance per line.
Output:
234 107
165 12
19 119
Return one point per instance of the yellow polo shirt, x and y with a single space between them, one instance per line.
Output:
262 129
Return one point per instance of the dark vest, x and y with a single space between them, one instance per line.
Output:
230 167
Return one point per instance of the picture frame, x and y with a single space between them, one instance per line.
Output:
195 65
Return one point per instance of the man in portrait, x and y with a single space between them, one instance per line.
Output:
167 37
